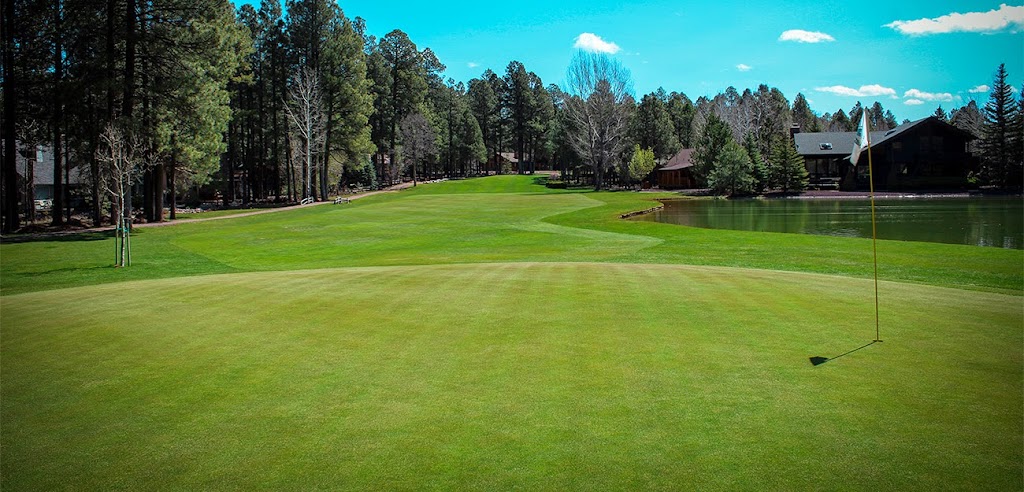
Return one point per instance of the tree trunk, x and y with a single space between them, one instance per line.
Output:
30 202
173 187
147 195
159 187
289 167
94 168
58 115
129 61
10 170
67 181
327 146
276 151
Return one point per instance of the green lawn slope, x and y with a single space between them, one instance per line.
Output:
501 218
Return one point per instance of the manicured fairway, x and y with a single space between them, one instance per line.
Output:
492 334
493 376
496 219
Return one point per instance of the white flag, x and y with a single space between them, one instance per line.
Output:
862 139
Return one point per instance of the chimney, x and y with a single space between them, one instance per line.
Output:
793 130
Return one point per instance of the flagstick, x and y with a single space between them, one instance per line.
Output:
874 228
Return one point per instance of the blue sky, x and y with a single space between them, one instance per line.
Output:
909 55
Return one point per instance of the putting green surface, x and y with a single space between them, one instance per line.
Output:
493 334
493 376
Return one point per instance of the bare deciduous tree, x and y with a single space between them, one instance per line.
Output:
417 141
598 108
306 113
120 165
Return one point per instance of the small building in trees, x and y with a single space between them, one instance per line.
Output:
504 162
924 154
36 162
677 172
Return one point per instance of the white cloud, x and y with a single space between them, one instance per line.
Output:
589 41
978 89
928 96
913 102
803 36
864 91
472 64
1005 18
744 67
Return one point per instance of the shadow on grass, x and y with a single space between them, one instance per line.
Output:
59 237
66 270
819 360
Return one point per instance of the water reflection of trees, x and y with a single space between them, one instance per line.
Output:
993 222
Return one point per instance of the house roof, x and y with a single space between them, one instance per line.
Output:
812 144
509 156
681 160
828 143
42 167
892 134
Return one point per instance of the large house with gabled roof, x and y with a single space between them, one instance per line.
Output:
924 154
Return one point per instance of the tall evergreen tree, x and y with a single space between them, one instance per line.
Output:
518 99
715 134
347 101
399 86
652 127
759 169
538 131
997 139
732 173
803 116
681 111
787 169
483 102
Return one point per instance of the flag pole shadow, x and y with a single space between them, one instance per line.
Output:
819 360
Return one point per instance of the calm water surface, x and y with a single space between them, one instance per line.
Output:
990 221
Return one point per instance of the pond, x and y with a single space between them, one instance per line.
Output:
977 221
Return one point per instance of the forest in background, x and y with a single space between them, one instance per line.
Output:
285 102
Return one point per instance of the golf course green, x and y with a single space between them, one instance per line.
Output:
492 334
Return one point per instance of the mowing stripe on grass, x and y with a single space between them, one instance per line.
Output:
532 375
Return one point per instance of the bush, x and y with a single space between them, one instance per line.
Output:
557 183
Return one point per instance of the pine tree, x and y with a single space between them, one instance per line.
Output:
399 85
759 169
652 127
787 167
998 155
803 116
715 134
681 111
732 173
347 101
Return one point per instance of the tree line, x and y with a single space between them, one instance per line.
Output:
298 101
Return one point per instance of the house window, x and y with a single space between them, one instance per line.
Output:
825 146
931 144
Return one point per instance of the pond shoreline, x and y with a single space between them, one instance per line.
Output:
841 195
952 218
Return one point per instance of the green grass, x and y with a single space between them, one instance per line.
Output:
533 375
502 218
493 334
216 213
